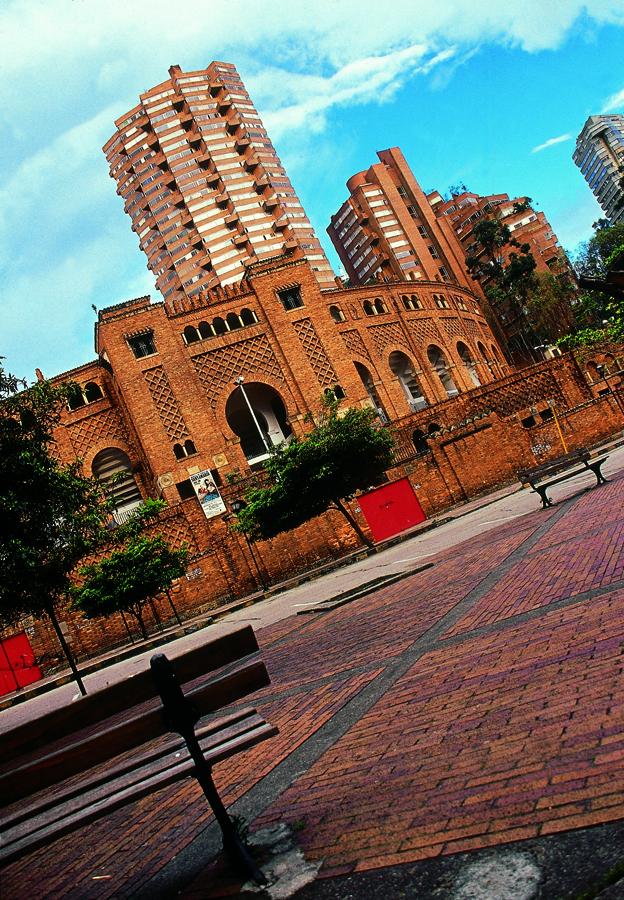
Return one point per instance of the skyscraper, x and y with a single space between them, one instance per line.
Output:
203 185
599 154
387 226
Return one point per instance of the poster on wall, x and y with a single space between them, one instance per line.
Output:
208 493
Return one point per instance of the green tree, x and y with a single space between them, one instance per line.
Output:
341 455
549 306
50 514
129 577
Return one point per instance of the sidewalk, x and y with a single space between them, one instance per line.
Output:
460 728
196 623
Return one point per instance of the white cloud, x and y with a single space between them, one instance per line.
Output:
615 103
372 79
71 68
551 142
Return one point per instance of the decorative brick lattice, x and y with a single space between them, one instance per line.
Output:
354 344
96 429
452 327
425 331
382 335
218 368
471 328
315 352
166 403
518 394
176 530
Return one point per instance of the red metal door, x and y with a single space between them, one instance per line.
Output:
391 508
17 664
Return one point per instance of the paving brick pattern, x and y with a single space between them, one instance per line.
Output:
478 702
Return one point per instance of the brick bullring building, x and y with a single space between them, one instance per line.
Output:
234 362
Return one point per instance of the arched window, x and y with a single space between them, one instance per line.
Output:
483 352
419 440
336 313
440 367
112 468
380 306
469 363
433 428
191 334
248 317
336 392
219 325
411 302
205 330
75 398
369 309
189 447
178 451
92 391
233 321
402 367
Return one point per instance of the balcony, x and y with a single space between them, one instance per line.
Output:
251 162
231 218
239 239
222 199
271 203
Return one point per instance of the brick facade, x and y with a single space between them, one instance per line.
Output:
453 448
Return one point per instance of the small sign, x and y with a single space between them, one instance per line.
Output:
208 494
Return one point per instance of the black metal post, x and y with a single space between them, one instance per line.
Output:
181 717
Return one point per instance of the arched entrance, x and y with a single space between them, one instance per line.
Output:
371 390
112 468
402 367
266 428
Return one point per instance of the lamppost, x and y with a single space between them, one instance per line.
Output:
239 381
236 507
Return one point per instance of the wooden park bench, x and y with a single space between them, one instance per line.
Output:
544 476
67 768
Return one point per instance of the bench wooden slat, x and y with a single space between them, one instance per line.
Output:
109 782
108 742
136 689
42 836
38 804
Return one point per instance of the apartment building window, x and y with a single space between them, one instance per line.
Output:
290 297
422 231
142 344
444 273
402 191
413 212
434 253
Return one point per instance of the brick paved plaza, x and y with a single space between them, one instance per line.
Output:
476 703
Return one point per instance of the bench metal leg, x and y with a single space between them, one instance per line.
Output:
600 479
232 843
546 502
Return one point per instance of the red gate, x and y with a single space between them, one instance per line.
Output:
17 664
391 508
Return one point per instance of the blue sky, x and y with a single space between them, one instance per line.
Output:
469 89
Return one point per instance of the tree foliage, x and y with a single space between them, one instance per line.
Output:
129 577
341 455
50 514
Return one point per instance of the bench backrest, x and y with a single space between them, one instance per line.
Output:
554 465
113 721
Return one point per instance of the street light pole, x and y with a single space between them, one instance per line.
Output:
239 381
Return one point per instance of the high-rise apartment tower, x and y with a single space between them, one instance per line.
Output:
388 227
203 185
599 154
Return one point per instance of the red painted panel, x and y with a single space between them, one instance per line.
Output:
17 664
391 508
